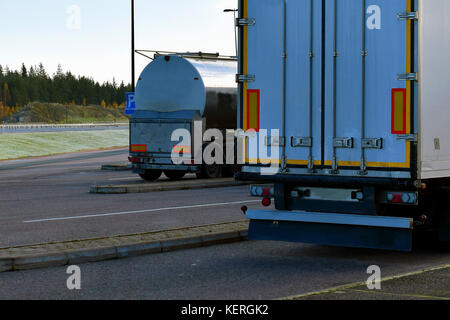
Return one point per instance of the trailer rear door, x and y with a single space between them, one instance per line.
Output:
336 78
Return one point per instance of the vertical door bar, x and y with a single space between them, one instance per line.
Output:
240 124
283 145
311 73
133 53
334 169
363 91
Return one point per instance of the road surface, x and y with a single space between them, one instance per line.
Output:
43 199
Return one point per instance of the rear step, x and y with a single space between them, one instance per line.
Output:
346 230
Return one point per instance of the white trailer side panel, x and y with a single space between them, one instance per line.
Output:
434 89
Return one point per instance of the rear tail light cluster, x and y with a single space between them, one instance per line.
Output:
401 197
262 191
136 160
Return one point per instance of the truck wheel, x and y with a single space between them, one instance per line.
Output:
151 175
210 171
174 175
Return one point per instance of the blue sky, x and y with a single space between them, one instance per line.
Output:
92 37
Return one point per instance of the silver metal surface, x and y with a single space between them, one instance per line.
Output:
202 82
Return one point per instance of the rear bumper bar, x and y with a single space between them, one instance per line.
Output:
388 233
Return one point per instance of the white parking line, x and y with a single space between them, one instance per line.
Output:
143 211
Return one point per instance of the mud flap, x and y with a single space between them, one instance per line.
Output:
387 233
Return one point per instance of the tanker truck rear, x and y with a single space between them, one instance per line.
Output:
350 102
192 92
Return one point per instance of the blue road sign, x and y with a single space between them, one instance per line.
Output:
131 104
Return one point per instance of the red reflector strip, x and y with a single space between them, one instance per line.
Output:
398 111
138 148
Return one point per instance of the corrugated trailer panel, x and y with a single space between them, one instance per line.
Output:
361 68
434 72
327 76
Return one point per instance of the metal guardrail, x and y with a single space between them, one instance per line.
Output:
49 126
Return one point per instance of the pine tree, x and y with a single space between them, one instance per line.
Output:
59 71
17 88
41 71
6 95
24 73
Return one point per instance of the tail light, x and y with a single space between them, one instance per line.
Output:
262 191
136 160
401 197
266 202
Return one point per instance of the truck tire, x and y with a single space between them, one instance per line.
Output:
151 175
210 172
174 175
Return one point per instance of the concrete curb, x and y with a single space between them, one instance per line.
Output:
166 186
94 250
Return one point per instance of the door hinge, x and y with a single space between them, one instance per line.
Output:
346 143
241 22
408 137
275 141
408 16
407 77
301 142
372 143
245 78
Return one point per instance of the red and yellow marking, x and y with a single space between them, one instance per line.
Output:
138 148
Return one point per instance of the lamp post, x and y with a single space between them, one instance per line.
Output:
235 33
133 78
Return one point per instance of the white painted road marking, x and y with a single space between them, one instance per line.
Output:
143 211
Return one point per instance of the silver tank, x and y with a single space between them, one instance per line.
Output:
175 83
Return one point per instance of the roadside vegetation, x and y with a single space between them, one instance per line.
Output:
38 112
23 145
64 94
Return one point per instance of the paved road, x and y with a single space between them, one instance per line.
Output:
57 188
41 200
244 270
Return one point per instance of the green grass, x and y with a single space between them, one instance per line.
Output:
23 145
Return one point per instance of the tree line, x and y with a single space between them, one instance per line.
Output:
21 87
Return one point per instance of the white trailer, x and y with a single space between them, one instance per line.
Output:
358 92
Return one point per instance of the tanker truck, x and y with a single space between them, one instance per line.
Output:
182 91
